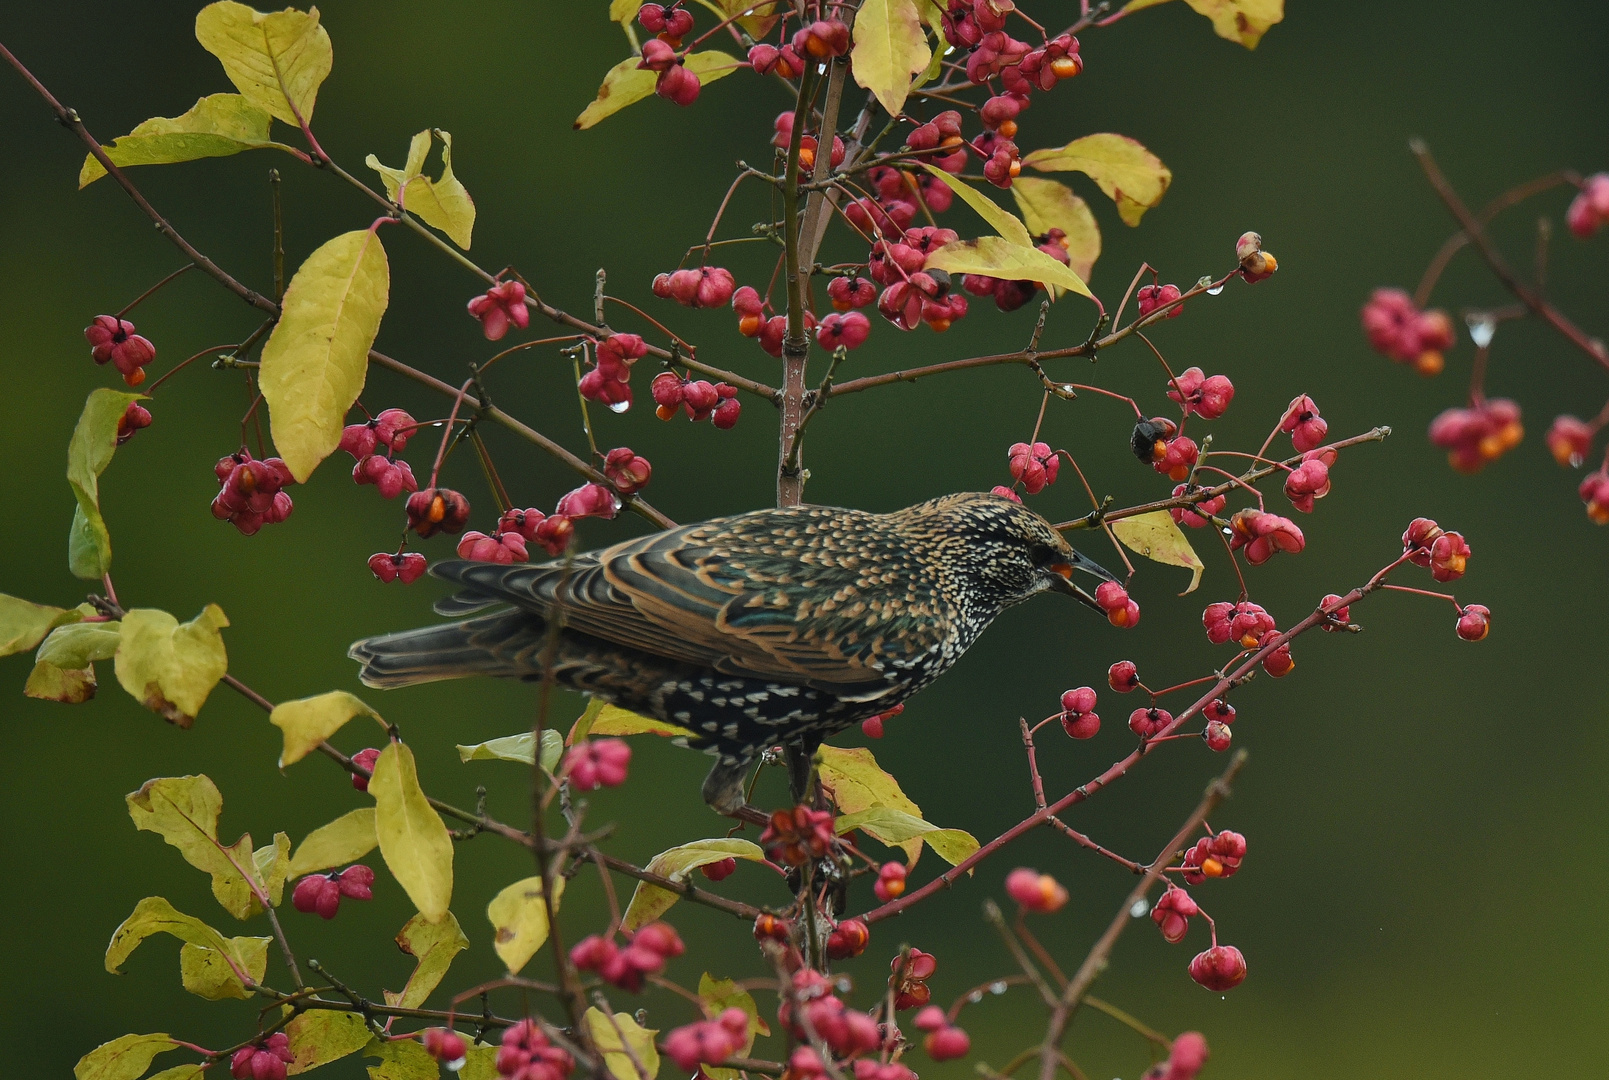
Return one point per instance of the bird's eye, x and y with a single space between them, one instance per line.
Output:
1043 554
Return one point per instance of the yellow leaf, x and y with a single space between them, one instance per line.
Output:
1155 536
1047 205
277 61
855 782
520 920
168 666
623 11
306 722
433 945
400 1059
206 973
211 965
124 1058
23 625
607 1035
272 864
317 358
649 902
1242 21
897 828
890 50
413 839
613 720
70 686
89 452
215 126
443 204
626 85
1000 219
184 811
1132 177
345 840
517 748
998 258
180 1072
480 1063
719 995
758 23
320 1036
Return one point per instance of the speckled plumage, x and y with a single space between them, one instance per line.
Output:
776 627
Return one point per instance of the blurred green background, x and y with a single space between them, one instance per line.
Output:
1424 893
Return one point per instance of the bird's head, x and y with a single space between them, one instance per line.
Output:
1007 552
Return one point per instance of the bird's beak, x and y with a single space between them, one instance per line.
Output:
1061 577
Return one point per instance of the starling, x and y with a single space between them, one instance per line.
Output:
776 627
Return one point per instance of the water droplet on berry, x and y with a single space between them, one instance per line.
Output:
1482 327
619 406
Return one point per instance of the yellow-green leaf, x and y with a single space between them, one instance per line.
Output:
1242 21
320 1036
345 840
413 839
124 1058
433 945
480 1063
89 545
1047 205
855 782
995 257
1132 177
272 865
276 60
607 1035
168 666
1155 536
180 1072
78 644
623 11
649 902
401 1059
758 23
613 720
898 829
206 973
517 748
625 84
520 920
70 686
23 625
215 126
719 995
306 722
316 360
1000 219
184 811
443 203
890 49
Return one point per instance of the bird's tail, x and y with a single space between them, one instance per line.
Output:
500 644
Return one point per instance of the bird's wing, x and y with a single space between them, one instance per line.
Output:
809 597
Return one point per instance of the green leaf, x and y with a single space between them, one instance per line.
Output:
215 126
443 204
168 666
206 973
607 1037
78 644
1155 536
480 1063
23 625
272 864
583 723
897 829
1000 219
70 686
520 920
184 811
236 956
998 258
124 1058
625 84
433 945
89 546
320 1036
316 360
1132 177
649 902
719 995
403 1059
306 722
613 720
517 748
180 1072
277 61
413 839
345 840
890 50
1047 205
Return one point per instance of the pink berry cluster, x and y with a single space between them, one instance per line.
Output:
1121 611
1569 439
608 380
321 893
389 431
909 979
1034 467
890 883
1311 479
404 566
1589 210
595 763
848 939
812 1006
498 308
251 493
1444 554
1219 968
263 1061
113 339
1475 436
1206 395
1149 721
1244 623
446 1046
944 1040
1078 717
1152 297
1262 534
527 1054
437 510
698 399
1186 1058
659 54
1159 444
1594 491
1215 856
1172 914
1303 424
1199 515
798 836
873 728
708 1042
1398 330
134 418
1036 892
645 953
703 287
